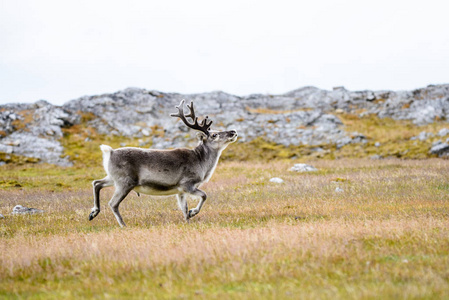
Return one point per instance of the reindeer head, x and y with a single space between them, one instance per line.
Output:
215 139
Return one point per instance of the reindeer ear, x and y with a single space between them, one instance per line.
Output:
201 136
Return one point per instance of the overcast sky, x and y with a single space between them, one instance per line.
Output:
61 50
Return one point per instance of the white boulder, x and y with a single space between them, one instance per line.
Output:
22 210
276 180
303 168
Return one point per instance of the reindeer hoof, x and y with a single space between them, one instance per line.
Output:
192 213
93 215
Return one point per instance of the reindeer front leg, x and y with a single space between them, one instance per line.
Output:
199 193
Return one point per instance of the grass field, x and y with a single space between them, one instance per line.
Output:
386 236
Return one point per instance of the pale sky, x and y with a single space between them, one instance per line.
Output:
61 50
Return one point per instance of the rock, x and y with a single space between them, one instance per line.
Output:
1 216
8 142
145 132
339 190
376 157
354 138
436 143
276 180
40 136
303 168
377 144
442 149
370 96
443 132
425 115
46 150
306 116
422 136
22 210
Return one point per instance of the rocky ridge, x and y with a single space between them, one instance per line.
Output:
306 116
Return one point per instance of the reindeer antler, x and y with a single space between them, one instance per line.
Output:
204 126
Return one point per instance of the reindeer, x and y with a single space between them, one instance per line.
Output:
177 172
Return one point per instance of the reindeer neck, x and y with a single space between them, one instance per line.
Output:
206 153
208 158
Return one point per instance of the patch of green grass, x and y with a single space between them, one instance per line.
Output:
11 158
393 136
47 177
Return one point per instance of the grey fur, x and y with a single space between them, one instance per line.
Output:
178 172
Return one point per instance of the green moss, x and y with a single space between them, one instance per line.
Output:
17 159
386 130
47 177
394 137
259 148
9 183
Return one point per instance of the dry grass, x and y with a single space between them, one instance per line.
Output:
385 236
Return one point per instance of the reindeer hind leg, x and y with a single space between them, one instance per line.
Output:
121 191
182 203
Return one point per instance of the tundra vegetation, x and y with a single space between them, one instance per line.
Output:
385 235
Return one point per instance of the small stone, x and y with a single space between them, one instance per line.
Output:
1 216
13 143
8 150
22 210
376 144
338 190
303 168
50 132
422 136
145 132
276 180
370 97
436 143
443 132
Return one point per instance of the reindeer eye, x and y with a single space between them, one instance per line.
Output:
214 135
